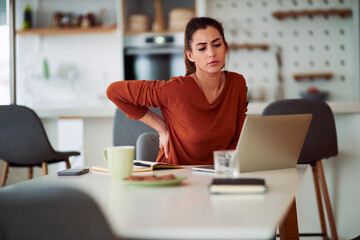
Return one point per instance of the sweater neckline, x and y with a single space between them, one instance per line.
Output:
221 93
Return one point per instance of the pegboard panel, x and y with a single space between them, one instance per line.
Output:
308 45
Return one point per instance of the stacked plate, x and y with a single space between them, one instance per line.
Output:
139 23
179 17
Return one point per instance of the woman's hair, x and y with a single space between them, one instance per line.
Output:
193 25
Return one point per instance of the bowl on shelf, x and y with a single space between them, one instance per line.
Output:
318 96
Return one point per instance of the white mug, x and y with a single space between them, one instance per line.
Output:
120 161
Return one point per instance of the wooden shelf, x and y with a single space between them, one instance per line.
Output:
312 76
249 46
63 31
311 13
130 33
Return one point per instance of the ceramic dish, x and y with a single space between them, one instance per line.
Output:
318 96
156 183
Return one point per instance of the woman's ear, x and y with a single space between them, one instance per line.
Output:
226 48
190 55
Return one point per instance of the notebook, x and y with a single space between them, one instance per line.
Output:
269 142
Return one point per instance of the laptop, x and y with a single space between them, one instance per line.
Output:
269 142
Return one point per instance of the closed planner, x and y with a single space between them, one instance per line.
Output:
237 185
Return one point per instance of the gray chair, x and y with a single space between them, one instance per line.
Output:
320 143
24 143
147 146
50 212
126 131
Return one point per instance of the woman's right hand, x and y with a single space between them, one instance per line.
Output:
164 142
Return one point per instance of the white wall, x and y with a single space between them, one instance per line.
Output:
345 176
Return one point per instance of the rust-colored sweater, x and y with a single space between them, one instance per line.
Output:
196 128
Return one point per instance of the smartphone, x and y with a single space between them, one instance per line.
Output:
73 172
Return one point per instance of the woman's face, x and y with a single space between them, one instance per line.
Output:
208 50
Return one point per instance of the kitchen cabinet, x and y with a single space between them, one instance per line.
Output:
80 62
68 66
156 16
154 38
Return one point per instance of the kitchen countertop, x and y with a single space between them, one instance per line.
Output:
108 111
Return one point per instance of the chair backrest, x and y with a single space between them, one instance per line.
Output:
23 139
126 131
50 212
321 139
147 146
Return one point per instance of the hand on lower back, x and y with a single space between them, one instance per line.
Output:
164 142
158 123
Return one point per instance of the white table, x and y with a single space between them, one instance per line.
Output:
188 211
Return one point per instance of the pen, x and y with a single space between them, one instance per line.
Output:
99 169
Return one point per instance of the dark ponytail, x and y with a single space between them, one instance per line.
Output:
193 25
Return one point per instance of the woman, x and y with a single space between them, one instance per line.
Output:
202 112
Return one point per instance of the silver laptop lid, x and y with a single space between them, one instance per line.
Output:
271 142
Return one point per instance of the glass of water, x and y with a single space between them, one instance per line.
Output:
225 165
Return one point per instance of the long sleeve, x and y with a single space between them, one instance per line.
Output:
134 97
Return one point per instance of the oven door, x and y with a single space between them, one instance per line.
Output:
153 63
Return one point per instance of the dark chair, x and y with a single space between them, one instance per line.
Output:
147 146
24 143
50 212
356 238
127 131
320 143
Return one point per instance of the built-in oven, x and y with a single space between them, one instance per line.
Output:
154 56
